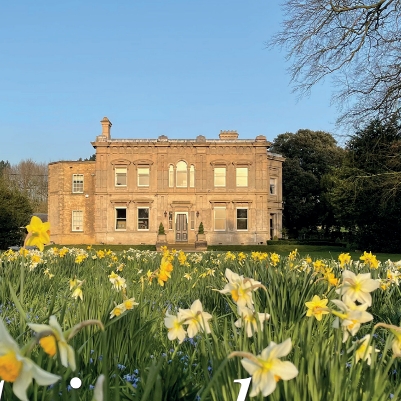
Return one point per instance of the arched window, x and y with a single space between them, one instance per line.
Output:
181 174
192 176
171 176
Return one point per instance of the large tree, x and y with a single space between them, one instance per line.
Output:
30 178
368 189
311 156
15 213
357 43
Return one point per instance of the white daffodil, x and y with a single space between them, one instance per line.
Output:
175 328
98 390
19 370
240 289
195 318
351 317
267 369
357 287
250 320
362 350
49 345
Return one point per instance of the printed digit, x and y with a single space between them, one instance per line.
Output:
245 383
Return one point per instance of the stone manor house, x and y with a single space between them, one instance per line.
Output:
233 186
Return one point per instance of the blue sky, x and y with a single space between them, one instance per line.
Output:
179 68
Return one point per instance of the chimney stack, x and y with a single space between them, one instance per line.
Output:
106 125
228 135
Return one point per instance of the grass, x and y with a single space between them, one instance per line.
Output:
141 363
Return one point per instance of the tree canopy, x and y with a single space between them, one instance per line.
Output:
15 213
311 156
367 191
357 43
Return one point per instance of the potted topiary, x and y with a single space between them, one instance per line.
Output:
161 237
200 242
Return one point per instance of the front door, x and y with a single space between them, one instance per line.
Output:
181 228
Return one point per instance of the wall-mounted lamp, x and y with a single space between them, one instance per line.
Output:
165 214
197 214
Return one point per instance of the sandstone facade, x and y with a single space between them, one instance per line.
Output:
232 185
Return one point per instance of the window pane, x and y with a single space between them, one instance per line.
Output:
121 219
220 177
242 213
181 178
220 219
77 220
192 176
171 176
143 177
272 186
121 176
242 176
78 183
143 218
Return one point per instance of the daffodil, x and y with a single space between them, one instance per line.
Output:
240 289
117 311
344 259
396 331
274 258
38 233
98 390
317 307
351 317
57 339
267 369
357 287
18 369
195 318
363 351
370 260
175 328
251 320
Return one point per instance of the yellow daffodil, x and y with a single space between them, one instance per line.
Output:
38 233
175 328
370 260
78 293
357 287
130 303
363 351
48 343
251 320
317 307
18 369
293 254
331 279
274 258
344 259
319 266
195 318
240 289
267 369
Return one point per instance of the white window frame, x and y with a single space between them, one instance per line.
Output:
225 218
117 219
120 170
273 186
140 173
247 219
137 215
76 183
215 175
77 220
237 170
